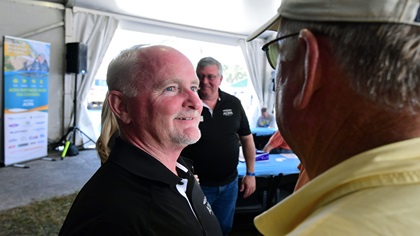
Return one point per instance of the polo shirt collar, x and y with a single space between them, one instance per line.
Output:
140 163
218 99
379 164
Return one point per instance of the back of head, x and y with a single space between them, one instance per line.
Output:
382 60
348 89
122 71
376 43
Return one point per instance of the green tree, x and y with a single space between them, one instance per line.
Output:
232 74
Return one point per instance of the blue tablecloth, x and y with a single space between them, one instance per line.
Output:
285 164
261 131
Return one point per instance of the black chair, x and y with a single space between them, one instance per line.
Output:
282 187
260 141
257 202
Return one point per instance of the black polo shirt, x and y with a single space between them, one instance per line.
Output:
215 155
135 194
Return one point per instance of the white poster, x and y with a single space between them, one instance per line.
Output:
25 105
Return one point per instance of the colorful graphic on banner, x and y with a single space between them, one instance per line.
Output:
26 73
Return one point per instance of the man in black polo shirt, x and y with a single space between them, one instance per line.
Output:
215 155
144 187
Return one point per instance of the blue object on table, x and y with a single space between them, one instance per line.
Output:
261 156
275 165
263 131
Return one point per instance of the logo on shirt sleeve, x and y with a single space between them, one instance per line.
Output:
227 112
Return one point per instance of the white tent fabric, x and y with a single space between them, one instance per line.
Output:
260 73
96 31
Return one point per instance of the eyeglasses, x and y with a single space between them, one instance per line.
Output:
209 77
271 49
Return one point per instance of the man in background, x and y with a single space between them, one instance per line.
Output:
216 154
276 144
266 119
348 101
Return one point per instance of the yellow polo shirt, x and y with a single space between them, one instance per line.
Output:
373 193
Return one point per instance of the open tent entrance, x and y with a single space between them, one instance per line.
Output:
235 75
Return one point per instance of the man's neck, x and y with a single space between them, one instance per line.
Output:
211 101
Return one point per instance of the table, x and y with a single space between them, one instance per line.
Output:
275 179
284 164
261 136
263 131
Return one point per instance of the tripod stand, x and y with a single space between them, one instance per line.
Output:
71 133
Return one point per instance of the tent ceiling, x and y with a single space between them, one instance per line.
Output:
240 17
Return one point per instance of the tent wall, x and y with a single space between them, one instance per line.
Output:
50 22
41 22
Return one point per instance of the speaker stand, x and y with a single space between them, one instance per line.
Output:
74 129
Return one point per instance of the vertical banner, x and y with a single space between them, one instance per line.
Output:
25 99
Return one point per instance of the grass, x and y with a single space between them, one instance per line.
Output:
38 218
46 218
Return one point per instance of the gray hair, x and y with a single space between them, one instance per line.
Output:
124 71
383 60
209 61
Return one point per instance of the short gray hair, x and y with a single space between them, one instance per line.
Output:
124 70
209 61
383 60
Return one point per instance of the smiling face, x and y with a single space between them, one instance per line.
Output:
167 108
210 81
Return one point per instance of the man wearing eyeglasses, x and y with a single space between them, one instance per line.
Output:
215 155
348 102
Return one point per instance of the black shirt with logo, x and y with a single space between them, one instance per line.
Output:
215 155
134 194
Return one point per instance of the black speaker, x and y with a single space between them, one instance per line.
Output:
76 58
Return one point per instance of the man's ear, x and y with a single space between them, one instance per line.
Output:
311 80
118 104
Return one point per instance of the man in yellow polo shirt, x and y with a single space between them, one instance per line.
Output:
348 103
